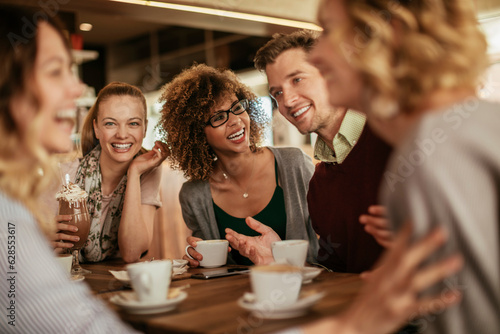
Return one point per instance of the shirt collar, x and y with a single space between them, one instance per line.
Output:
349 133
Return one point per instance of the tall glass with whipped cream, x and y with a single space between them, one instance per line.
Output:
73 202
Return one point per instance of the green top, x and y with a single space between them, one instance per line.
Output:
343 142
273 215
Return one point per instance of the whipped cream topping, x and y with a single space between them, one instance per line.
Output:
71 193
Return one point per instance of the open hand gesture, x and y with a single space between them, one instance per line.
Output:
257 249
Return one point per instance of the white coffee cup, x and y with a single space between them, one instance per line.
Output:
276 285
151 280
66 261
214 252
293 252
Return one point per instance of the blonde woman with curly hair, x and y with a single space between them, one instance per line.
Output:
121 178
414 67
37 89
214 126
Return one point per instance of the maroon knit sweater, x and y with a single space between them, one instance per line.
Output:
338 195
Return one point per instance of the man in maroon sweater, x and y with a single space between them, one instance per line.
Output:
352 158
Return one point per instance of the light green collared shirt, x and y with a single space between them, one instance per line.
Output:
343 142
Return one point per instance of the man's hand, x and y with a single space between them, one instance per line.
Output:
377 224
392 293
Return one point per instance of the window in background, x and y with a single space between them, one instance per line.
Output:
268 110
154 108
490 89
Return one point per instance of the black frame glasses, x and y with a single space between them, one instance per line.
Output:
221 118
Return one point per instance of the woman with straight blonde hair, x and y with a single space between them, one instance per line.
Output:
414 68
121 178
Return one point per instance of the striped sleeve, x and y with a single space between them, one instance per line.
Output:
34 290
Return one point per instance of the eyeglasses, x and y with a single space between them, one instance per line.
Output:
220 118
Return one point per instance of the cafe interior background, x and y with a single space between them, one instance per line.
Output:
146 43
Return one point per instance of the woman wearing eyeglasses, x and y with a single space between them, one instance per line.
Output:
214 126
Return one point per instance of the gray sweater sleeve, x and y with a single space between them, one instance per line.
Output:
295 170
197 209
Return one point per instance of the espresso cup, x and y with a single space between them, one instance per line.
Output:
65 260
214 252
150 280
293 252
276 285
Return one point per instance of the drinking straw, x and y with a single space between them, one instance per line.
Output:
64 178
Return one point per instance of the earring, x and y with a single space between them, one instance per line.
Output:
215 158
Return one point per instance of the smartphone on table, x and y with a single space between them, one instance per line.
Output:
222 272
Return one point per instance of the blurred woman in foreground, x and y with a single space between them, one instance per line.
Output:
37 87
414 67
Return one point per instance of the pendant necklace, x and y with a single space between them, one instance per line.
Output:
226 176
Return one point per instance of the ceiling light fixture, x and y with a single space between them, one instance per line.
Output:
85 27
225 13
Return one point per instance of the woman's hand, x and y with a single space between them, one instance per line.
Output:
193 263
377 224
150 160
257 249
61 241
392 293
135 233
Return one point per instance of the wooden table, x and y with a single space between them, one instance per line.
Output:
211 305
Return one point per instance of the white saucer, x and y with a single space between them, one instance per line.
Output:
309 273
130 303
179 263
270 311
77 278
122 275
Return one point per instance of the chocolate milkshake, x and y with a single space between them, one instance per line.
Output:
73 201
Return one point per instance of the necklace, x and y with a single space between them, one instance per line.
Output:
226 176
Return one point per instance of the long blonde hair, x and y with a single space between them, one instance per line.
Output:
88 138
440 47
23 176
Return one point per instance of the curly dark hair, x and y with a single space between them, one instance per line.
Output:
188 100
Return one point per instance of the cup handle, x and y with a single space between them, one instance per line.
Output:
186 251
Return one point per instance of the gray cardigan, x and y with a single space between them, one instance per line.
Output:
294 172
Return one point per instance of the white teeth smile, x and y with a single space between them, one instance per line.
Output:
301 111
237 135
121 146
